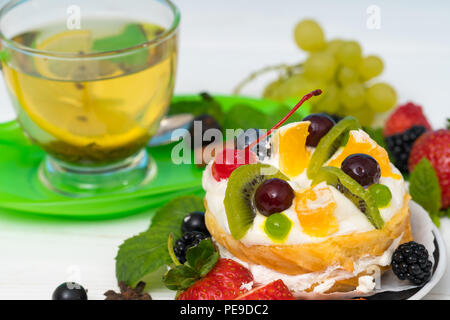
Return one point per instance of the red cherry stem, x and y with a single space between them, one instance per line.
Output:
287 116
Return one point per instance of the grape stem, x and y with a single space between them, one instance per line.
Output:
287 116
252 76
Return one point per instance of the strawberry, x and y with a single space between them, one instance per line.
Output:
435 146
224 282
275 290
404 117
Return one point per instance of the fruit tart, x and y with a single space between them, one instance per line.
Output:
323 210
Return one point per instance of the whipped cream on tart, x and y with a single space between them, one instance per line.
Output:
335 234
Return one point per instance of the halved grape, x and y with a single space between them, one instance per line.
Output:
277 226
362 198
329 144
381 194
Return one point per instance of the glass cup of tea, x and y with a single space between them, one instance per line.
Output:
90 82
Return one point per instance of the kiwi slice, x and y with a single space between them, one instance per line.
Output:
239 196
330 143
353 191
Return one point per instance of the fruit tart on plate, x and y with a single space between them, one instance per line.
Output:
323 209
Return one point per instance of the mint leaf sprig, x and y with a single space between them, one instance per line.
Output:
205 105
199 261
425 189
145 253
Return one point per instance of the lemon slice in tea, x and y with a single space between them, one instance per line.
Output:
104 109
72 41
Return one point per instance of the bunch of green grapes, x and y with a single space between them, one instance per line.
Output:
339 68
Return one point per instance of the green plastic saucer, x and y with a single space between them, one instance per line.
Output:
21 191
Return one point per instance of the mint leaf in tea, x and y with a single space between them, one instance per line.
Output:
90 99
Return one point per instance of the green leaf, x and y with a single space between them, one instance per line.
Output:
243 116
445 213
280 112
376 135
180 277
199 261
424 188
436 219
207 105
133 34
147 252
172 255
5 56
202 257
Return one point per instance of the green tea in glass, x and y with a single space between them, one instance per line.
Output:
90 82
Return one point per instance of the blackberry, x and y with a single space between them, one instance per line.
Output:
187 240
410 261
399 145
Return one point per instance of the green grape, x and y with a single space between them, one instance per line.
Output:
381 97
296 86
347 75
309 35
381 194
277 226
333 46
270 91
320 66
352 96
330 100
365 115
349 54
370 67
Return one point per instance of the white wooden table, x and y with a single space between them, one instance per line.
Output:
221 42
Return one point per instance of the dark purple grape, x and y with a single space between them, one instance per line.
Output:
320 125
363 168
273 196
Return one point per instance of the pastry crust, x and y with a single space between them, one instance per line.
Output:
341 250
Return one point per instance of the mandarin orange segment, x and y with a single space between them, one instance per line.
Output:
315 211
360 142
294 156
